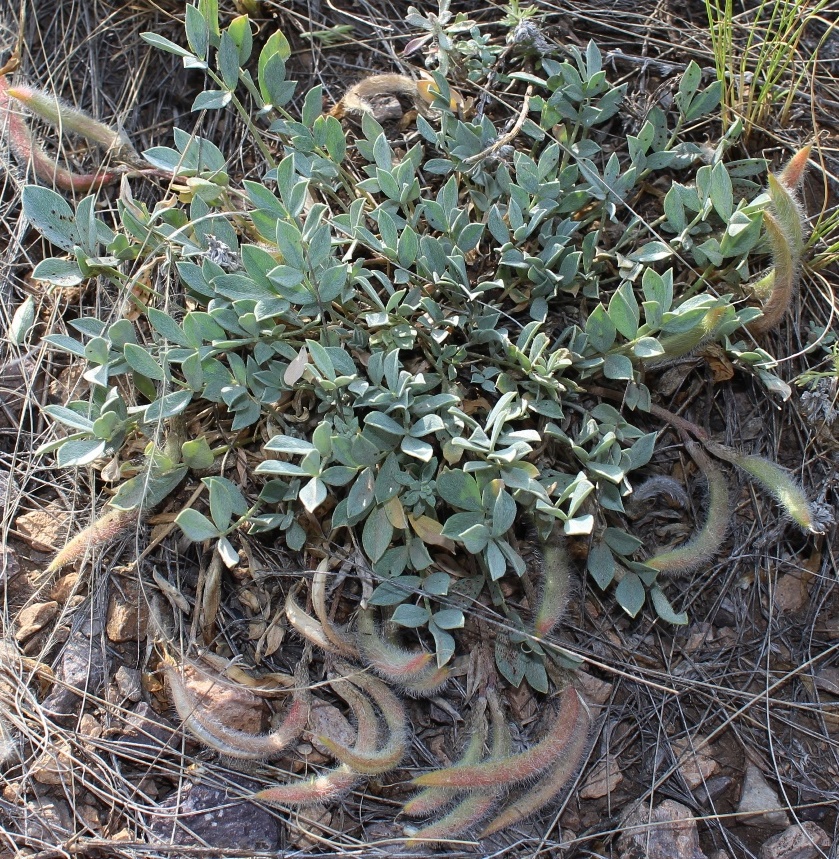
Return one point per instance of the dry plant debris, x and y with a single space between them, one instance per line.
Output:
99 767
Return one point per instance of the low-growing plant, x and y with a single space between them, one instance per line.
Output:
413 330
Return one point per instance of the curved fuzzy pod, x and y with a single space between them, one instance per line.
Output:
551 783
430 682
660 484
311 791
513 768
335 782
231 741
784 278
502 739
306 625
786 230
391 754
65 117
471 810
467 814
431 799
414 671
107 527
684 343
339 639
789 213
367 724
46 168
778 483
792 174
556 584
707 541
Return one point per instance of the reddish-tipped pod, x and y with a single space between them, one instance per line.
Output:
514 768
205 726
413 670
390 755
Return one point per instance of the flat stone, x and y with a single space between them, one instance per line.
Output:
668 832
147 730
696 765
328 721
128 683
64 587
9 564
791 592
45 821
218 818
802 841
759 804
230 703
44 530
53 766
34 618
604 778
128 613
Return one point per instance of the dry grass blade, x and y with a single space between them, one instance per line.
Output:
306 625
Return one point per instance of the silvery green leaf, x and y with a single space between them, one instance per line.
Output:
52 215
411 616
22 321
665 610
630 594
196 526
60 272
449 618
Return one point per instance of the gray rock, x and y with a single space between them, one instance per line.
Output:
668 832
147 731
128 683
759 803
82 672
45 822
219 818
804 841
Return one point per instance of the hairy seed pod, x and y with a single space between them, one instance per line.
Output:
29 151
556 584
230 741
106 528
332 784
784 278
432 799
338 638
551 783
707 541
414 671
786 230
778 483
396 721
514 768
65 117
